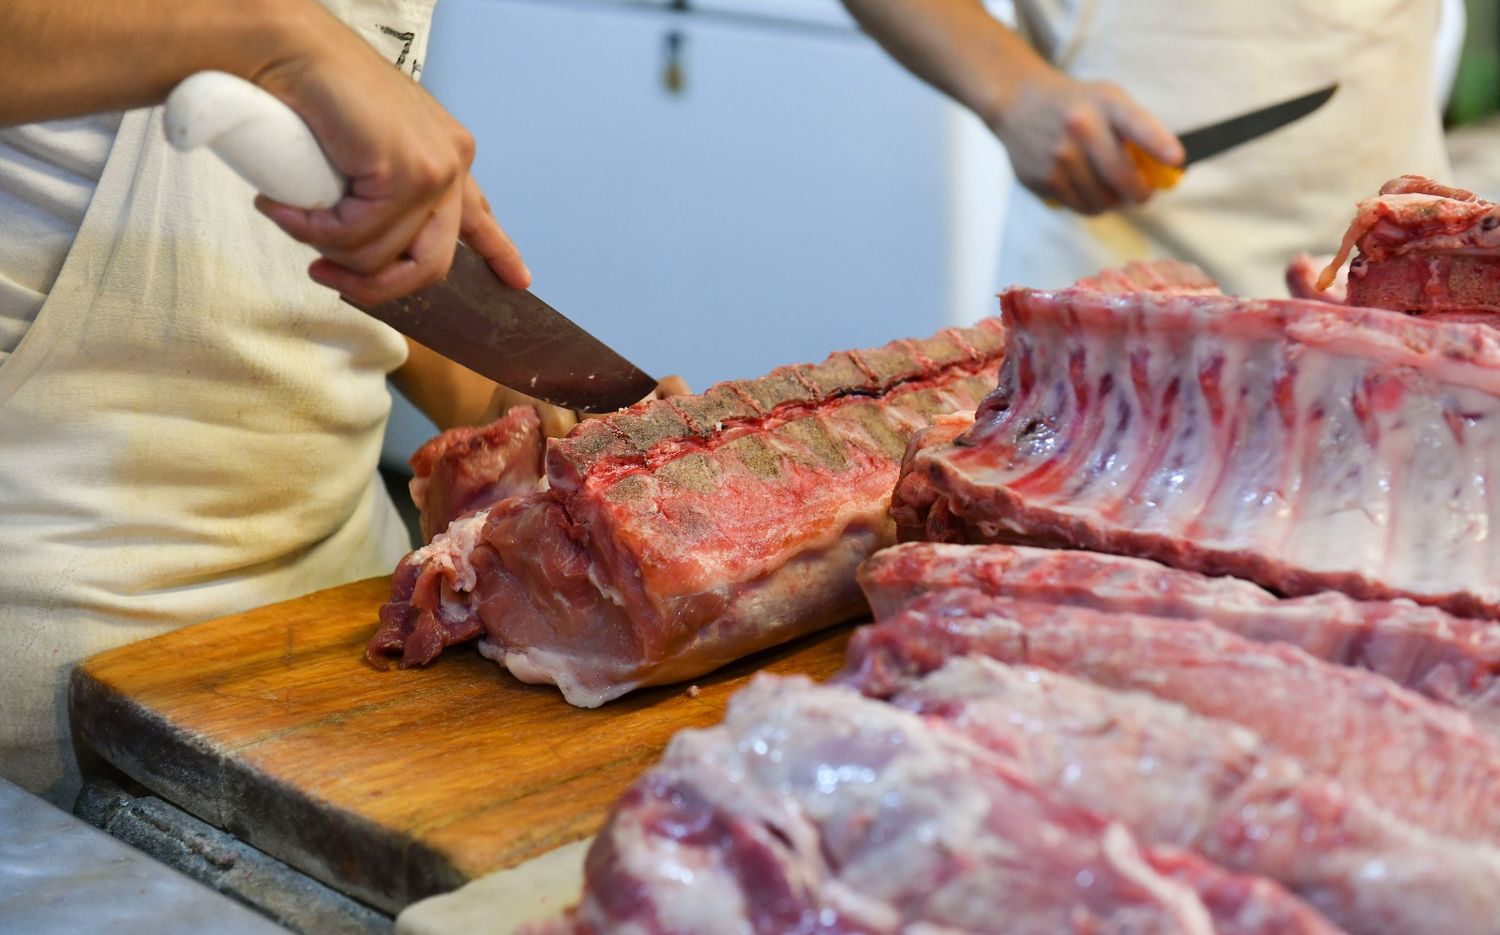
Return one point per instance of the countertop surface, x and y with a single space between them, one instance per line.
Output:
60 875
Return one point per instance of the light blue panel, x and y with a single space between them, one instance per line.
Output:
790 201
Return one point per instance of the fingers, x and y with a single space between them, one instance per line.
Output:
362 234
1133 122
1110 167
427 259
483 234
672 386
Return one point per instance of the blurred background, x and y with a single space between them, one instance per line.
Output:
719 187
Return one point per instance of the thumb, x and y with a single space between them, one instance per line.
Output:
1134 123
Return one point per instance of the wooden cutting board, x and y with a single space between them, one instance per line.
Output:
389 786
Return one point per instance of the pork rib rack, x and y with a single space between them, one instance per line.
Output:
1423 247
684 533
1300 445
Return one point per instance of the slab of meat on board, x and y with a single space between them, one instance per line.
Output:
468 469
812 809
1455 660
1423 762
1179 778
684 533
1423 247
1297 444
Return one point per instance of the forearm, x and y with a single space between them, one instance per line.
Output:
445 392
72 57
956 46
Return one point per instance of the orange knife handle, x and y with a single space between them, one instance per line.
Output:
1158 173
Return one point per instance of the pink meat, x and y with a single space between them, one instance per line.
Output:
1424 248
468 469
1177 778
1421 761
684 533
1173 276
811 809
1455 660
1296 444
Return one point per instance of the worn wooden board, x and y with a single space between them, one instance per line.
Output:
390 786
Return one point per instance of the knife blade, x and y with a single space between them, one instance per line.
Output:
1215 138
514 338
471 317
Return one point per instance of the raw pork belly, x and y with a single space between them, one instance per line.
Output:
1424 248
812 809
684 533
1455 660
1174 777
1422 761
468 469
1298 444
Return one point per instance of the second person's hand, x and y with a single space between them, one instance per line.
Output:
1066 141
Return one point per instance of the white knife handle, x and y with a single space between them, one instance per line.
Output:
257 135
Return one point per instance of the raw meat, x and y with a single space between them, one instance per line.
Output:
468 469
684 533
1174 777
1424 248
1172 276
1298 444
1455 660
814 810
1423 762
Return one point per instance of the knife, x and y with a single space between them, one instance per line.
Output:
470 317
1227 134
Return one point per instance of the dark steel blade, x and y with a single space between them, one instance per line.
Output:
514 338
1214 139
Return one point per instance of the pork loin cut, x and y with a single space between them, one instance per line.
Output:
1174 276
812 809
684 533
1451 659
1422 761
1425 248
468 469
1174 777
1297 444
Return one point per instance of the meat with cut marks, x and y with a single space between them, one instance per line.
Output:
1174 777
1425 248
1297 444
1455 660
1174 276
467 469
1422 761
684 533
812 809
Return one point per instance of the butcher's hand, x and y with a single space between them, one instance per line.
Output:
1066 138
557 421
407 160
1067 142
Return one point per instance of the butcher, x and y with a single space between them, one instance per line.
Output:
1078 79
189 417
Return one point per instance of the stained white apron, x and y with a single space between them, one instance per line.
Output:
189 428
1244 214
